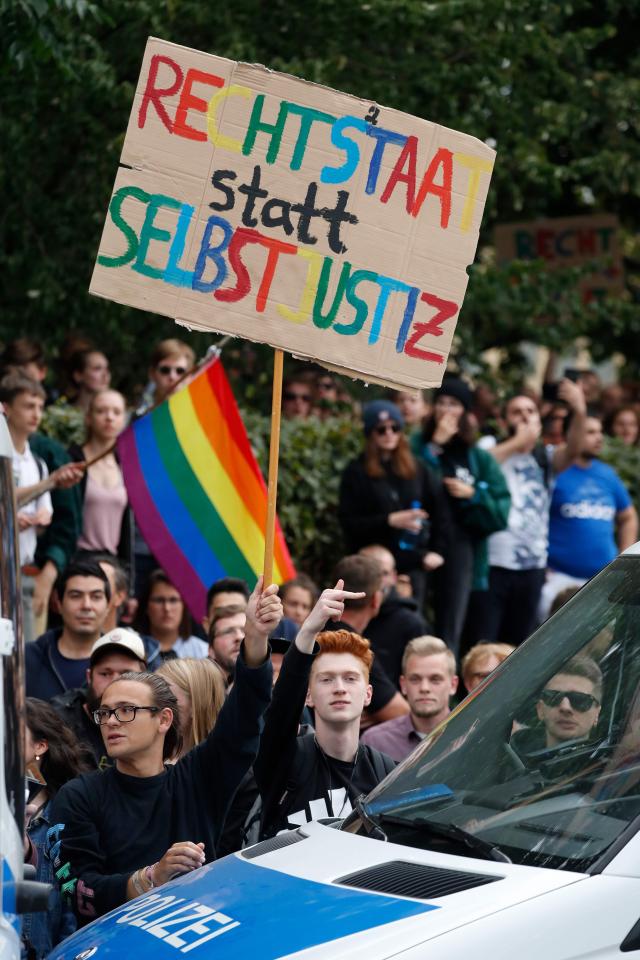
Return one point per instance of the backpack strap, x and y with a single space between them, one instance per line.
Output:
380 762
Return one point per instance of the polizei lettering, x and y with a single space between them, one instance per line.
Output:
183 924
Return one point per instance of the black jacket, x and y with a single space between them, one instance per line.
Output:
366 502
43 679
397 622
70 707
107 825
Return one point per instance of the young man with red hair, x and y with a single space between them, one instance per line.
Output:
304 775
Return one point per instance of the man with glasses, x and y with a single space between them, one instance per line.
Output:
569 705
170 360
568 709
296 400
120 834
226 634
117 652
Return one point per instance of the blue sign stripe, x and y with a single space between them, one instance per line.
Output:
257 913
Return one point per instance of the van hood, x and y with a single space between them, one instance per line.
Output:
302 899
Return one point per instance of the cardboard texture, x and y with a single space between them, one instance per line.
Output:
568 242
258 205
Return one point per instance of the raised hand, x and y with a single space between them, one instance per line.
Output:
330 606
264 613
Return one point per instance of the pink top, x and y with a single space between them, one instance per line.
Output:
102 516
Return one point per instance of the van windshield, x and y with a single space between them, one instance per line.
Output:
541 764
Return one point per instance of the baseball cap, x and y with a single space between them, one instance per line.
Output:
119 640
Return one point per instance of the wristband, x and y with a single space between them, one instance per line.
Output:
137 885
149 875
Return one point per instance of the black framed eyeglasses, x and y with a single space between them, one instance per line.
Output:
125 713
581 702
386 428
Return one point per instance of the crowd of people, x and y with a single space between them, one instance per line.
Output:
154 743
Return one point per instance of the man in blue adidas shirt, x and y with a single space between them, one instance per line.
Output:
592 518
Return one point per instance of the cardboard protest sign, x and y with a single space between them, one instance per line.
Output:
568 242
262 206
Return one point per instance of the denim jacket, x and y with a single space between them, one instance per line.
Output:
42 931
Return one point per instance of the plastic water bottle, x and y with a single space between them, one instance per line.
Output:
409 540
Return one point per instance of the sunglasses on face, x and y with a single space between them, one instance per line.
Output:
166 370
297 396
387 428
581 702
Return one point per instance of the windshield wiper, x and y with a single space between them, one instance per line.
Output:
451 832
375 828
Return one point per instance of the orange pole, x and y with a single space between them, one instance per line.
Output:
274 450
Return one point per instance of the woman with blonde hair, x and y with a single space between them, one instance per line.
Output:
199 688
106 519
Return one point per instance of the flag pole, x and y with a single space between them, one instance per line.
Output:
274 450
212 354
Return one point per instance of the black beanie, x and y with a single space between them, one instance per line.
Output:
454 387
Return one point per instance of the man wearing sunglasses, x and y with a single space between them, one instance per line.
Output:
296 400
170 361
569 704
119 834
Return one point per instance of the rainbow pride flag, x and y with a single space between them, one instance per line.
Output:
197 491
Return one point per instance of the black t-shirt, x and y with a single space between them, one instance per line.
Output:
331 787
298 782
106 825
70 706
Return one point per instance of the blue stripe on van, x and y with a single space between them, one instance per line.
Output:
257 913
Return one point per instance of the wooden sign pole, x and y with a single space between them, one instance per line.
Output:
274 451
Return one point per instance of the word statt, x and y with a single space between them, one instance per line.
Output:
254 204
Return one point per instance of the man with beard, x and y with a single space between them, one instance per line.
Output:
592 518
117 652
428 681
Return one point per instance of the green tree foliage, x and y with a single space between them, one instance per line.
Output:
554 84
313 455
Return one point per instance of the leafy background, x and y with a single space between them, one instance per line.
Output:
553 85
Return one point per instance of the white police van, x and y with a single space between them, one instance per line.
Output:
17 894
513 830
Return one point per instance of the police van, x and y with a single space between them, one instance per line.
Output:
19 893
511 831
